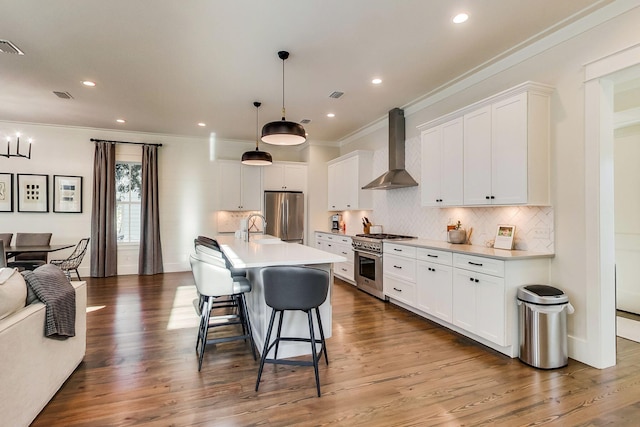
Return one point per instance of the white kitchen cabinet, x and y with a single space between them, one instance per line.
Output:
505 150
434 283
442 164
471 294
339 245
240 186
346 177
479 304
281 176
399 273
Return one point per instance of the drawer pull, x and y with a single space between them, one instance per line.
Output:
397 250
344 269
475 263
396 289
397 266
471 279
432 256
344 253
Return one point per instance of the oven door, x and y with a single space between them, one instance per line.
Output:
368 272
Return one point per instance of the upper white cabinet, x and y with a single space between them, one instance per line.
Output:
346 177
240 186
505 155
285 177
442 150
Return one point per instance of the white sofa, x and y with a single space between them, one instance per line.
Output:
32 367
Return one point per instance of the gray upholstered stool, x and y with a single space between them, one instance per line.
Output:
294 288
219 290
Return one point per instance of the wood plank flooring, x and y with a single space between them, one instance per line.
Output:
388 367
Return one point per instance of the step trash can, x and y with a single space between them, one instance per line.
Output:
542 312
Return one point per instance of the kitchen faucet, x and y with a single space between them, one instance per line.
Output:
264 223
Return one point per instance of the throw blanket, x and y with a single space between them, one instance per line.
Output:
52 287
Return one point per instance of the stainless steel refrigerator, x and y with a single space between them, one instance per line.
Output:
284 212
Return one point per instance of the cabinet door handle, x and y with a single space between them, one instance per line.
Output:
397 266
487 197
492 197
475 263
432 256
396 289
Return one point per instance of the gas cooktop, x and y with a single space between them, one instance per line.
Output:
381 236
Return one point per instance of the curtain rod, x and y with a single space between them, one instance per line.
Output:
124 142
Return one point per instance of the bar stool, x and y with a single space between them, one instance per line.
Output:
212 244
219 290
294 288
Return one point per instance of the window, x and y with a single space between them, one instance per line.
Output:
128 198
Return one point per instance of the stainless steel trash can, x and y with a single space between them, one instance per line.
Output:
542 312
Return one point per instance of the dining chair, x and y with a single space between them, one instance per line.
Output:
31 260
291 288
3 256
72 262
6 238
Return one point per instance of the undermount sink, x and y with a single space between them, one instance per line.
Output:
267 241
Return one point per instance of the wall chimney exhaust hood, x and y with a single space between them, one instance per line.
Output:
396 176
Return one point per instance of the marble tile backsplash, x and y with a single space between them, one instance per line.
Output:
400 212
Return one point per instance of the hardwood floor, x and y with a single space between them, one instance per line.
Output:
388 367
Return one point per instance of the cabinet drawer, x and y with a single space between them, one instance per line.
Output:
490 266
403 268
399 290
434 255
345 240
399 250
344 270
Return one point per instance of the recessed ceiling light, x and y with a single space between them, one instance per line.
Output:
202 124
376 81
89 83
121 120
460 18
331 115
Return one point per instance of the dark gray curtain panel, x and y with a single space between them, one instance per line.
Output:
150 257
104 246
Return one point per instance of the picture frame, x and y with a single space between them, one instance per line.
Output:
67 194
504 237
33 192
6 192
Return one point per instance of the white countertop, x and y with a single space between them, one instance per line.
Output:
253 254
501 254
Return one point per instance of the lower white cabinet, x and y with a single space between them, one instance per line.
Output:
479 304
473 295
339 245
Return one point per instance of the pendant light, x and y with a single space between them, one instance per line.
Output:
257 157
283 132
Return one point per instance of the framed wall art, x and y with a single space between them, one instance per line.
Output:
33 193
67 193
6 192
504 237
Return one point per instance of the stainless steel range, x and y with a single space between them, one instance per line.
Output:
368 260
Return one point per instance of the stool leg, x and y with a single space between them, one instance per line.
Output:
275 356
324 346
204 329
313 350
246 320
266 347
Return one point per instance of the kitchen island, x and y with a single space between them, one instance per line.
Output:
267 251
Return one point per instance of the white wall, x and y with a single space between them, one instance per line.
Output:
627 218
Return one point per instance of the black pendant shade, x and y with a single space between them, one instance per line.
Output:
257 157
283 132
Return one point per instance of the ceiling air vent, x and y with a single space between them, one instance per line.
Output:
336 94
7 47
305 121
63 95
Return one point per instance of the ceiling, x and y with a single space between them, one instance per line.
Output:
165 65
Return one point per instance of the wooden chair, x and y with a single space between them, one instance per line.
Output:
31 260
6 238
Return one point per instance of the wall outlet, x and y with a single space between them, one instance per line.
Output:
541 233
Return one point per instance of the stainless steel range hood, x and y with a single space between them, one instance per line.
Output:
396 176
